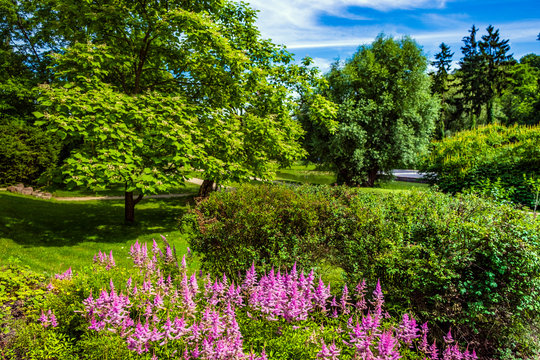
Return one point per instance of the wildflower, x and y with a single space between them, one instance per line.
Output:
408 330
387 345
448 338
65 276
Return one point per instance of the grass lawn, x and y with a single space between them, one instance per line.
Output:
116 191
51 236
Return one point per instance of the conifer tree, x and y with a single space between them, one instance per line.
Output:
496 59
443 63
470 75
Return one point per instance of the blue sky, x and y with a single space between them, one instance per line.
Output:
330 29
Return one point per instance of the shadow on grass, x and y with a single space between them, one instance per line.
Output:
33 222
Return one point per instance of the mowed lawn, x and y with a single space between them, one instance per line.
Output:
51 236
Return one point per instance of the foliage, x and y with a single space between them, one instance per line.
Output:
483 72
520 102
490 152
386 112
20 290
467 262
146 143
26 153
200 70
272 226
440 85
137 313
534 185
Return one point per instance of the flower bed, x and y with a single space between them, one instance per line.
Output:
158 310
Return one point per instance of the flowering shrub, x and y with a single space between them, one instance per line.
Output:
460 261
146 315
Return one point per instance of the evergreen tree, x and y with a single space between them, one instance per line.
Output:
496 60
443 63
470 76
483 72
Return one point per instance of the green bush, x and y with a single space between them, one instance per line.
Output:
462 261
26 153
268 225
492 152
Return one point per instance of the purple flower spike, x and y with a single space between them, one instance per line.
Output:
433 351
387 347
408 330
168 254
44 319
65 276
52 317
448 338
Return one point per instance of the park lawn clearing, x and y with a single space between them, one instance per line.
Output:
189 188
51 236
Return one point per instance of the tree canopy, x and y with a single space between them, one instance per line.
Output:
386 112
168 87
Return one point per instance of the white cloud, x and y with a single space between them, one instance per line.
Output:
290 21
297 24
322 63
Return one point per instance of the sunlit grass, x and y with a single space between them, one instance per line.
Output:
116 191
51 236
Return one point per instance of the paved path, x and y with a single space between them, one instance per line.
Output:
408 175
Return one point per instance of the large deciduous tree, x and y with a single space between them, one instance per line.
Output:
225 93
386 112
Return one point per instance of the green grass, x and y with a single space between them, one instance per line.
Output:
51 236
116 191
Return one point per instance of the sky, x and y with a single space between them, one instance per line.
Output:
328 30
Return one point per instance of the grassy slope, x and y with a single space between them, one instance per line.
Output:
51 236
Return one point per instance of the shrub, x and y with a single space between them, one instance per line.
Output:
25 154
491 152
268 225
462 261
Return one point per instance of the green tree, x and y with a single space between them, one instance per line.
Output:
440 85
227 94
532 60
483 73
386 112
494 52
470 76
520 101
26 152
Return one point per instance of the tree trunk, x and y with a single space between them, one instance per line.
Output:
206 188
372 176
129 206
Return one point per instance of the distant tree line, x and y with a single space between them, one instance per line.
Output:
138 95
488 86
